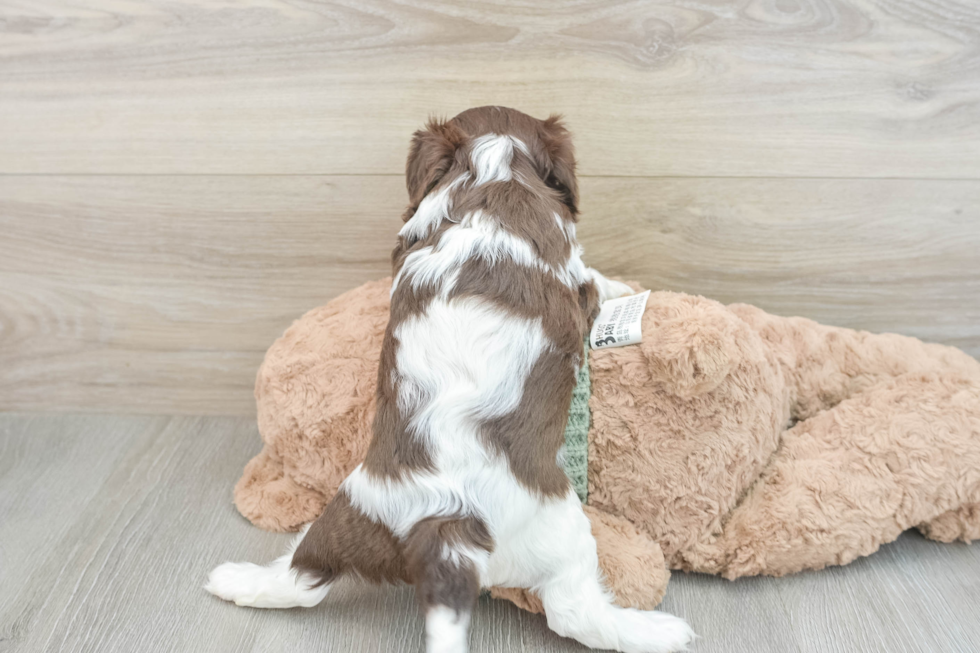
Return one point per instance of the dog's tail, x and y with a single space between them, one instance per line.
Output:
341 540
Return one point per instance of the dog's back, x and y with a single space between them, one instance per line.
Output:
461 487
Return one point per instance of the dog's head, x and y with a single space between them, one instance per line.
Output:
445 145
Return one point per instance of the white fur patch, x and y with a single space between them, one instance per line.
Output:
275 585
469 359
567 227
574 272
459 363
433 209
554 554
446 630
480 236
492 155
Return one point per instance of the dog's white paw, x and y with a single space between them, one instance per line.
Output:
653 632
615 289
272 586
608 288
234 581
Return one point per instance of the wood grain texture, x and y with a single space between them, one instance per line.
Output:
110 525
161 294
675 87
889 255
154 293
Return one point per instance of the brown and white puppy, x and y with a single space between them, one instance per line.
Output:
462 486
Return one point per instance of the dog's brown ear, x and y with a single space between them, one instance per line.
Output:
560 169
429 158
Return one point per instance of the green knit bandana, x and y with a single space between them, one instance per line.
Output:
577 432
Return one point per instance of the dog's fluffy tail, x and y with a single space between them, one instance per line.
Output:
276 585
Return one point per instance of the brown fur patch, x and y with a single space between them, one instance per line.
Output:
549 144
430 156
343 540
438 580
531 435
588 299
529 293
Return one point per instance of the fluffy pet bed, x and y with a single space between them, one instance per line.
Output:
729 442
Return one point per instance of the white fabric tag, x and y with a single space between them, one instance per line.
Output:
618 323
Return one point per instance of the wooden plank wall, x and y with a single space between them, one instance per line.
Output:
179 180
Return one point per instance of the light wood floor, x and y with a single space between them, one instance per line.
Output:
111 523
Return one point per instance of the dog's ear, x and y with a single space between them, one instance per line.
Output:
559 172
429 159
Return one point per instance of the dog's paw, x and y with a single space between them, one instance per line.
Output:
272 586
608 288
653 632
615 289
233 581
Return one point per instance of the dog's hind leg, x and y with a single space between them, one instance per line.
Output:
447 558
341 540
560 552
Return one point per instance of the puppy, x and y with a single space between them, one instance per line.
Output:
462 486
